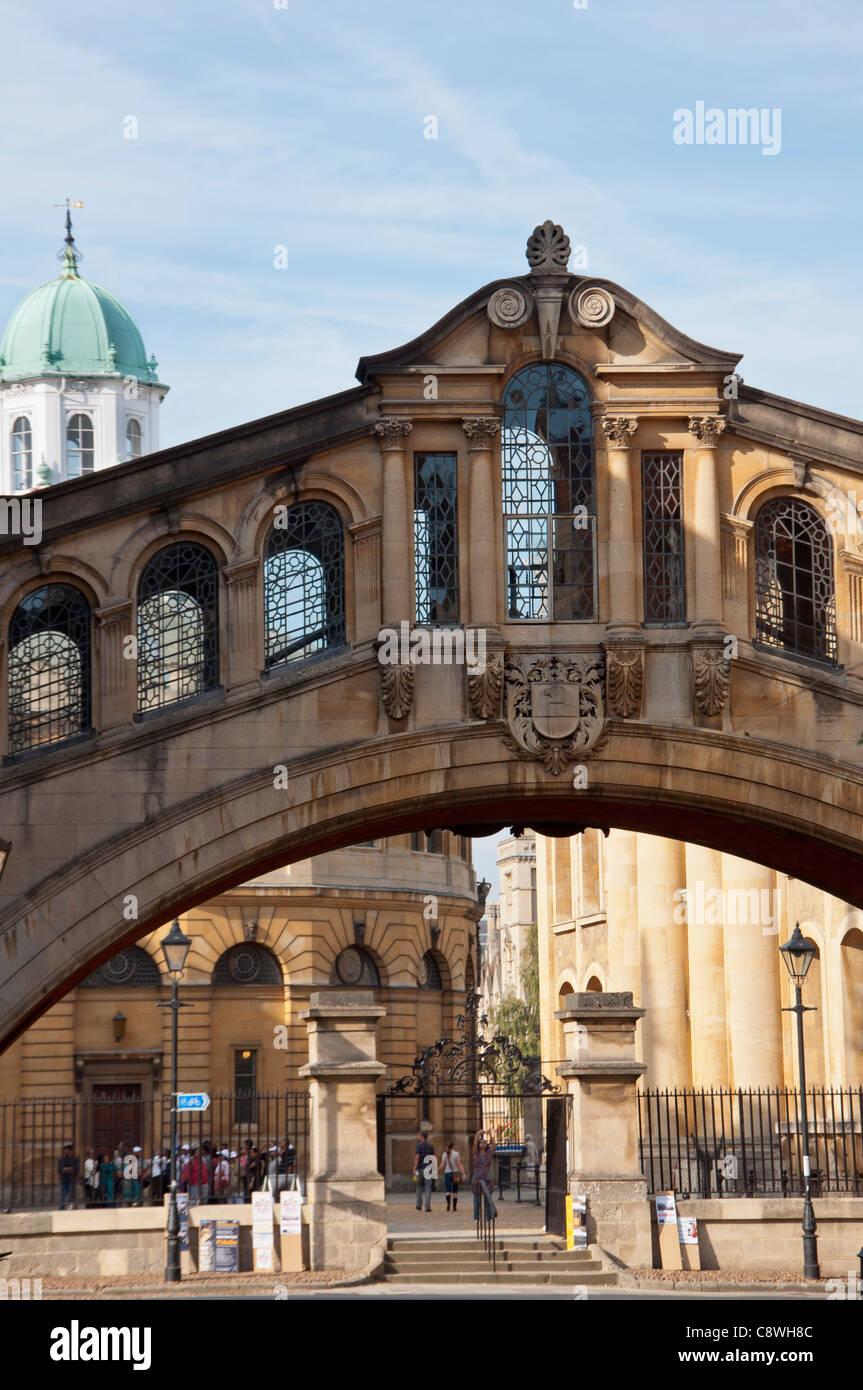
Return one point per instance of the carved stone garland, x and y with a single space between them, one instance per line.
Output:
711 677
624 680
397 690
485 689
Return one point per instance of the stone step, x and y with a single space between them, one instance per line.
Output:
454 1257
465 1266
471 1243
505 1277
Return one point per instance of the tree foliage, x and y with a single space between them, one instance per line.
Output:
518 1018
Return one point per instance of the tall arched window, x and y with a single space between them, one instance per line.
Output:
178 622
549 495
134 442
795 602
49 667
304 583
79 446
429 974
22 455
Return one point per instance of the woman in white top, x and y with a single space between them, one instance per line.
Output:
450 1165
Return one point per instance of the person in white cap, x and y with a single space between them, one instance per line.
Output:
221 1176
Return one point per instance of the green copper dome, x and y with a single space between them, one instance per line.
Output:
70 327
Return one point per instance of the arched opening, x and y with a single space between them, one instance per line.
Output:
549 495
304 583
49 668
134 438
563 1001
594 985
22 455
795 601
355 968
247 963
80 449
177 626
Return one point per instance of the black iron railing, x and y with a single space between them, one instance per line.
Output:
749 1143
242 1143
485 1226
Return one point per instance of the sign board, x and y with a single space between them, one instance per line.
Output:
666 1218
576 1222
687 1230
262 1211
263 1252
219 1246
193 1100
291 1214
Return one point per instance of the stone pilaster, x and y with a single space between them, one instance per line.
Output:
245 660
397 528
708 540
347 1216
481 435
601 1076
622 616
118 691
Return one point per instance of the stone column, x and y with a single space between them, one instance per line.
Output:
752 973
705 918
245 659
397 528
347 1216
662 934
622 613
708 555
484 560
118 691
601 1076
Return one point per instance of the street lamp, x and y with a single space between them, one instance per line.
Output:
119 1022
798 954
175 948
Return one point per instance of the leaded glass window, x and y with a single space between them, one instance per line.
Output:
49 667
304 583
132 968
549 495
663 538
795 601
436 537
22 455
247 963
79 446
177 626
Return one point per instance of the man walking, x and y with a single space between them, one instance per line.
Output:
425 1168
67 1172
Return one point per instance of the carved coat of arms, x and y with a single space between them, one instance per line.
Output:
554 707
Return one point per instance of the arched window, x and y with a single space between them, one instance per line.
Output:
178 624
852 983
22 455
355 967
248 963
79 446
49 667
429 976
133 967
594 985
134 442
549 495
304 583
795 602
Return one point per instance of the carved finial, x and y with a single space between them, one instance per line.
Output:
548 248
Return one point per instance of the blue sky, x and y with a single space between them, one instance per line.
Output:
303 127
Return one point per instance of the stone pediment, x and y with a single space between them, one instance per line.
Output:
596 319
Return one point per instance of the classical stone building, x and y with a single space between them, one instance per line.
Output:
695 936
509 920
395 917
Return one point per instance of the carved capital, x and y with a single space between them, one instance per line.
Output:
707 429
624 679
392 433
397 690
711 677
485 689
619 429
480 433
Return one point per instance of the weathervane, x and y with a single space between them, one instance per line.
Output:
68 251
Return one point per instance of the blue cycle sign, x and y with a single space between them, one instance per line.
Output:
192 1100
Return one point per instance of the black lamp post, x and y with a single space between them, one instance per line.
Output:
175 948
798 954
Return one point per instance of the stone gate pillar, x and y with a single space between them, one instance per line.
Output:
347 1216
601 1075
